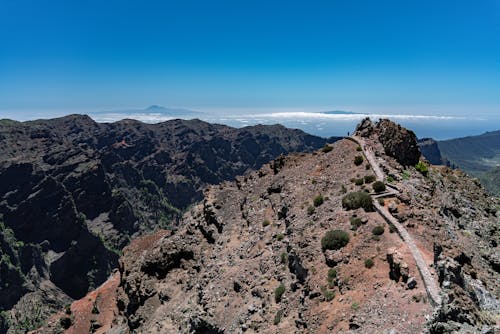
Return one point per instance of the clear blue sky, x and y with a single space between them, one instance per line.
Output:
250 54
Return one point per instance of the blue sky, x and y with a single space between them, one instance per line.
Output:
434 56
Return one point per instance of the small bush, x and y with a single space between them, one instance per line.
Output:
406 175
392 228
278 292
358 160
327 148
280 237
369 263
313 181
310 210
356 200
355 223
355 306
328 294
422 168
359 149
343 189
378 186
381 201
332 275
284 258
265 223
334 239
370 178
390 179
318 200
367 166
359 182
378 230
277 317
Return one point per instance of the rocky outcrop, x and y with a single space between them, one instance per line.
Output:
398 142
74 192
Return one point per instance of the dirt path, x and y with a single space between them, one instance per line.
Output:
431 287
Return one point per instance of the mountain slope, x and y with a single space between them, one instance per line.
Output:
478 156
74 192
259 255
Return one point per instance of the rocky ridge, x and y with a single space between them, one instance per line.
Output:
74 192
252 257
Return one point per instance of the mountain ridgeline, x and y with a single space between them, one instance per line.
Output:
361 236
478 156
74 192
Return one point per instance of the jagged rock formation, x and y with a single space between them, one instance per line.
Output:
398 142
73 192
251 257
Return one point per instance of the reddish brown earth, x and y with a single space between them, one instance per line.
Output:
219 271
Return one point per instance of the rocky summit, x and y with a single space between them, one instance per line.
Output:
362 236
74 192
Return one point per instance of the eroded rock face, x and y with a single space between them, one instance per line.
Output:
74 192
398 142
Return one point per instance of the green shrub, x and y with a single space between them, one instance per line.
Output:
355 306
358 160
265 223
390 179
359 182
334 239
280 237
277 317
406 175
369 263
313 181
378 186
318 200
392 228
378 230
343 189
356 200
359 149
367 166
327 148
422 168
310 210
381 201
328 295
278 292
370 178
284 257
355 223
332 275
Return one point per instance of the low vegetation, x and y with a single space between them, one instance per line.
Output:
318 200
265 223
356 200
310 210
327 148
422 168
334 239
378 186
358 160
378 230
369 263
278 293
356 222
369 178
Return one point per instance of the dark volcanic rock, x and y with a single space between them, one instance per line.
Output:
398 142
73 192
430 150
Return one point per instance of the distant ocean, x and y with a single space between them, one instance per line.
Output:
340 124
325 124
